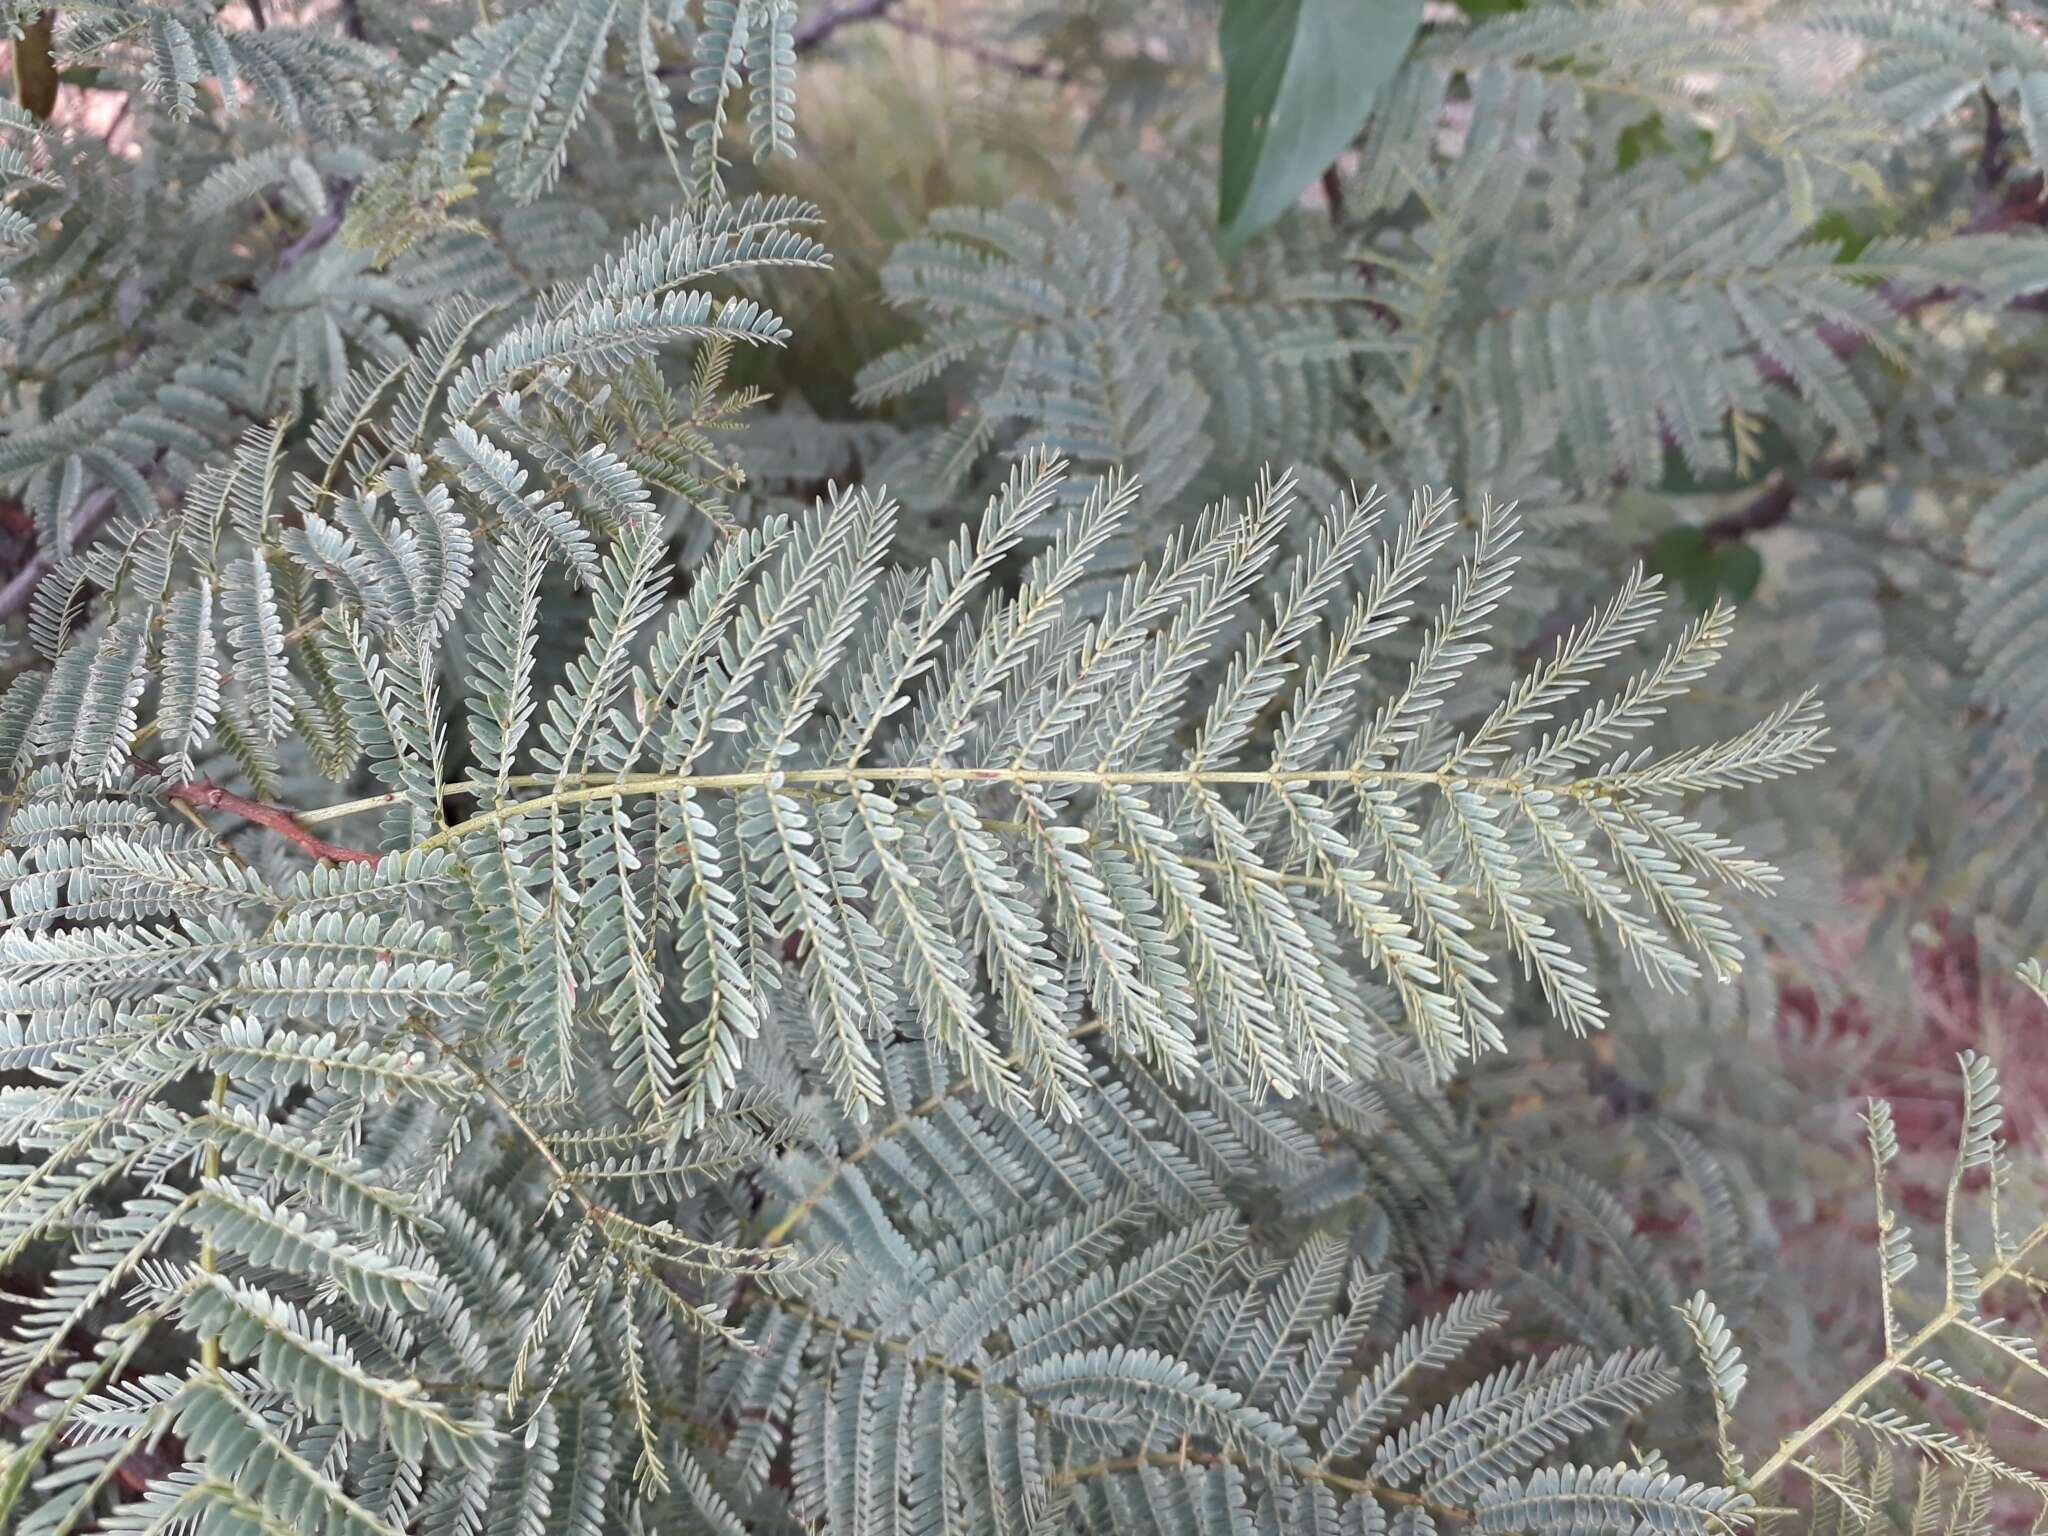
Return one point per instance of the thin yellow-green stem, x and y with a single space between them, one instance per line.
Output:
620 786
1894 1360
1885 1221
1953 1383
370 803
2022 1364
209 1259
348 808
968 1376
860 1154
604 1220
1336 1480
595 1212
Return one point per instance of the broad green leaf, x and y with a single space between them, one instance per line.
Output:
1300 79
1737 570
1684 558
1703 568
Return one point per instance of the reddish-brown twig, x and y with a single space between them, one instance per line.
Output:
206 795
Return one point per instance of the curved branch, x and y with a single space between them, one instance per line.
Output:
818 28
1029 69
209 796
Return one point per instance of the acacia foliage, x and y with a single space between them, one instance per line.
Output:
553 985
